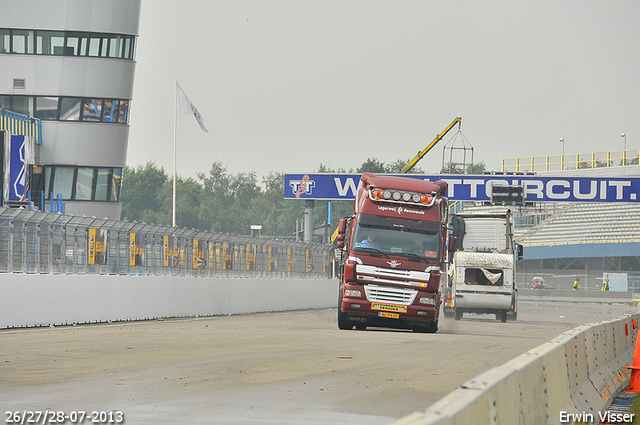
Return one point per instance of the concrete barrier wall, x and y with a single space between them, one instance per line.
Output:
571 295
42 300
579 373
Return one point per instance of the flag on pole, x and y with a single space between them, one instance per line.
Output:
187 107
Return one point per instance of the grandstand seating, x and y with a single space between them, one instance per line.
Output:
573 223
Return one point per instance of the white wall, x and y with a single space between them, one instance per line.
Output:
42 300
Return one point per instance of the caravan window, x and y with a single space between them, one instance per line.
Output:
481 276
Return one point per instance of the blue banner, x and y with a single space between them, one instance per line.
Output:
19 169
466 187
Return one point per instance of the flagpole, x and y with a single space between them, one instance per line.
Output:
175 144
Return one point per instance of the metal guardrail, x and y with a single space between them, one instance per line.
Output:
40 242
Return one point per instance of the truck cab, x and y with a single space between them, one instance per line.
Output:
394 245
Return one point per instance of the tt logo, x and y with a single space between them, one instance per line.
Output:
393 263
304 186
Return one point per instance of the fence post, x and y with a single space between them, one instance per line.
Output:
63 250
10 246
75 250
37 246
23 246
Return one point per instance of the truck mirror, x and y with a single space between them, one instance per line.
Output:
453 242
340 244
342 227
520 249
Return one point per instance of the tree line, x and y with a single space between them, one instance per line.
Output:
223 202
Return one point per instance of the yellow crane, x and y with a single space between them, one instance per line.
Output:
423 152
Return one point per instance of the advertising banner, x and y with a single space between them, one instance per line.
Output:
219 262
467 187
136 249
227 256
198 254
272 264
20 157
170 251
309 261
291 260
212 261
97 246
250 256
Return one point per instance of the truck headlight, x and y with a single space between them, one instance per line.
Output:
353 293
427 300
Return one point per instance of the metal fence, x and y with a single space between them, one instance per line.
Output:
40 242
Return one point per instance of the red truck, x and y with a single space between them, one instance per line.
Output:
394 254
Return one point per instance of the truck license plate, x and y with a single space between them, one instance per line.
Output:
388 315
389 307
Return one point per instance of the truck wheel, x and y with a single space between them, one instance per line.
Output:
343 323
361 327
433 327
503 317
458 314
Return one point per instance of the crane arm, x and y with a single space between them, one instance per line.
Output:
423 152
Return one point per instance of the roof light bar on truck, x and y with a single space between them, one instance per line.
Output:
401 197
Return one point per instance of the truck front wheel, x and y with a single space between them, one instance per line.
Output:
458 314
343 323
433 327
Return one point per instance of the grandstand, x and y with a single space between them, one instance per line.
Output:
586 223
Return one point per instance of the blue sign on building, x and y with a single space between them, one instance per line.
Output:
19 159
464 187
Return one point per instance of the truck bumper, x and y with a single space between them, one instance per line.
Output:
361 311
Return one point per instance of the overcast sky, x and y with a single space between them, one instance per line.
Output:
287 85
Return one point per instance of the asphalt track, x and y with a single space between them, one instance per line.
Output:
271 368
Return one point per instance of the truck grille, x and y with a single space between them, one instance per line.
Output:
390 294
380 275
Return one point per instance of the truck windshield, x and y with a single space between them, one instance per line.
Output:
394 236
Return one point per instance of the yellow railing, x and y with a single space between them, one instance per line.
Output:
21 125
572 161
